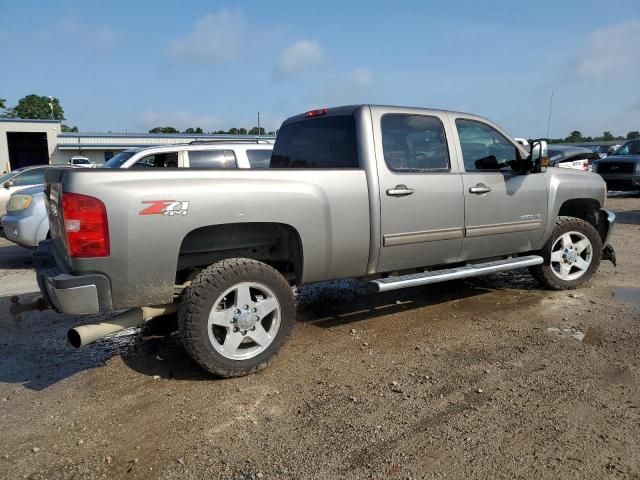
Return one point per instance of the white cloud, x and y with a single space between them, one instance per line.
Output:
612 52
180 120
300 56
217 38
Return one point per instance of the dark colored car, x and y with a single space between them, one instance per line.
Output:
621 169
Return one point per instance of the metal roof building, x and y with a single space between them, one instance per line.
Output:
34 142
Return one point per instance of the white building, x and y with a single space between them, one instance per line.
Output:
35 142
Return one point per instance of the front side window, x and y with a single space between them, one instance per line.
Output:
119 159
484 148
414 143
158 160
212 159
30 177
323 142
259 158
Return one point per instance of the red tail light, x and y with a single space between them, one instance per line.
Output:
86 226
316 113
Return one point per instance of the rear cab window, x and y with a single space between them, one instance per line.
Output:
321 142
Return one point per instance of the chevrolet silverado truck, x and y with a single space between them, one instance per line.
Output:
393 196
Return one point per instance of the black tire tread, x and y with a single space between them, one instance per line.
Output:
197 296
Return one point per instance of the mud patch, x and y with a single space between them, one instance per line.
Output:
567 332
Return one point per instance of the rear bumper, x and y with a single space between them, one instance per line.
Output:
67 293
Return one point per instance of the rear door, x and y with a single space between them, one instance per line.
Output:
505 211
422 210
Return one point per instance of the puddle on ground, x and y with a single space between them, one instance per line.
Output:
627 295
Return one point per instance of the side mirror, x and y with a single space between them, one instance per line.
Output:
8 184
538 157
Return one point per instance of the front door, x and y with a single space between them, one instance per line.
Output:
505 211
422 209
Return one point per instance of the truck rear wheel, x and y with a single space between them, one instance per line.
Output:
235 316
571 256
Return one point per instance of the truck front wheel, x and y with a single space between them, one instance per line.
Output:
571 256
235 316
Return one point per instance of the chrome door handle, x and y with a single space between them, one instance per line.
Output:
479 189
400 191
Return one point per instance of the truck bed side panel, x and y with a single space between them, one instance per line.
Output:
328 208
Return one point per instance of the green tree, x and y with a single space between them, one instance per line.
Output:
242 131
255 131
606 136
3 103
574 137
163 130
38 107
193 130
67 128
633 135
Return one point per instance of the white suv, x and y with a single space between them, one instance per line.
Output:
198 154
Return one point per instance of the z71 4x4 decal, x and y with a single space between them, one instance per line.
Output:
165 207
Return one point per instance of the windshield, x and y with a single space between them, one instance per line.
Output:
7 176
119 159
629 148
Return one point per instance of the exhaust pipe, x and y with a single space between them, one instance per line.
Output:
86 334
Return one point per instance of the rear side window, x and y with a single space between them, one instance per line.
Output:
326 142
259 158
414 143
212 159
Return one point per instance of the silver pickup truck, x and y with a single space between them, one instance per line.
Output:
394 196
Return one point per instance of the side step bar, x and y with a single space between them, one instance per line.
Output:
474 270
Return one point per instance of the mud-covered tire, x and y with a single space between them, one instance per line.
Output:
199 300
544 273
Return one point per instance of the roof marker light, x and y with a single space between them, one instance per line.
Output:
316 113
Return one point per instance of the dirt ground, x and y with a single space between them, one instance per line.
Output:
490 378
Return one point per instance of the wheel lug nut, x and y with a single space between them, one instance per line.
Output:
246 307
233 320
237 311
235 329
244 332
253 328
254 310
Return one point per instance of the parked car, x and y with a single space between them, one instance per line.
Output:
19 179
198 154
604 150
621 169
395 196
568 156
26 222
81 161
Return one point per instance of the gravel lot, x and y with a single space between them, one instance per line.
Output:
489 378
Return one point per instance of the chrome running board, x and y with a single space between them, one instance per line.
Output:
472 270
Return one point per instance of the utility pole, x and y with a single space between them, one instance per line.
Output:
549 120
51 106
258 123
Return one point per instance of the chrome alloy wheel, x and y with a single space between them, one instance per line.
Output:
244 321
571 256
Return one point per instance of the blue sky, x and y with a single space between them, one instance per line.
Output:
134 65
